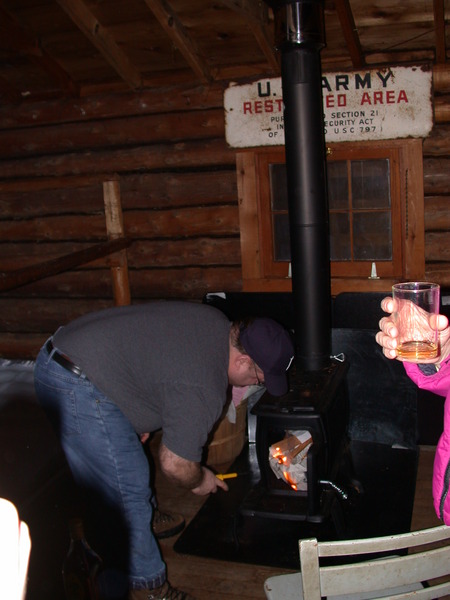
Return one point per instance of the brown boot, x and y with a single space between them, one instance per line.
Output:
165 592
165 525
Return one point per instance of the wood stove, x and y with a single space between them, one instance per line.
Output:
317 401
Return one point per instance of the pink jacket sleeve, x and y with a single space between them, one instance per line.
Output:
439 383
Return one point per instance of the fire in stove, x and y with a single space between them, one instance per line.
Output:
287 458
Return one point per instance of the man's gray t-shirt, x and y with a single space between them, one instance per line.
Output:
164 364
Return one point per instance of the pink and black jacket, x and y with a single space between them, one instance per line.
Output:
438 383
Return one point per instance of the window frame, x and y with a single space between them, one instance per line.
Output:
259 270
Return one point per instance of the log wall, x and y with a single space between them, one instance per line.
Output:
178 193
179 200
436 163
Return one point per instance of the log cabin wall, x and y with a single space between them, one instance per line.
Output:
436 166
179 200
178 193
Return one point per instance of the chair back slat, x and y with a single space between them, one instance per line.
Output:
385 573
420 574
437 591
384 544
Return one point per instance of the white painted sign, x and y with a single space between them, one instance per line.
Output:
375 104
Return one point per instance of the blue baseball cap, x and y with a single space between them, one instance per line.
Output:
270 346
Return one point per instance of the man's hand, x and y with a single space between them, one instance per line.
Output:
387 336
209 484
191 475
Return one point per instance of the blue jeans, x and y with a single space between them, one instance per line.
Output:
109 465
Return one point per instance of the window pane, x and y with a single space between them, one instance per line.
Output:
278 186
337 184
281 237
371 183
352 218
372 236
340 236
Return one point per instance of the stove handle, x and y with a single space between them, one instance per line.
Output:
336 488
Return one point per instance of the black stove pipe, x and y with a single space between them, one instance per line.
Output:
306 182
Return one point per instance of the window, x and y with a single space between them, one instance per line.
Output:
375 196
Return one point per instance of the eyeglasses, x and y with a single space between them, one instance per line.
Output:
256 374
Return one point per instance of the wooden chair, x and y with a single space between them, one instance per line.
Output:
420 573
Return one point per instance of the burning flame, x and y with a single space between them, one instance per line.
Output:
278 454
287 458
289 479
282 459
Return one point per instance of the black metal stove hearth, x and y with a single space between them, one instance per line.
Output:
317 401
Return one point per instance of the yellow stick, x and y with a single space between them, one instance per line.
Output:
223 476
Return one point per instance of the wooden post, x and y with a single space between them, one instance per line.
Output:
115 229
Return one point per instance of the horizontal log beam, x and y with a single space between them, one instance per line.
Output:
25 199
196 154
437 213
203 251
441 78
36 317
190 221
438 143
120 132
440 273
437 248
442 109
15 279
169 282
436 175
151 101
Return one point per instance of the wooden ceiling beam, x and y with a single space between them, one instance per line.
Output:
439 27
249 8
180 38
350 32
256 15
102 39
265 42
15 37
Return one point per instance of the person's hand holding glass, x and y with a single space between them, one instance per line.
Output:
415 331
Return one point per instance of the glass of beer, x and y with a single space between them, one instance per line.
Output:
416 307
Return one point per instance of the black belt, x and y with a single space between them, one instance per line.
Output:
62 360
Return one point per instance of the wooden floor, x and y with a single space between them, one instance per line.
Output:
215 580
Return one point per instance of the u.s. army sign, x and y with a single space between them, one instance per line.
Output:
359 105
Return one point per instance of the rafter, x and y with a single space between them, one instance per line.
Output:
15 37
102 39
350 32
439 27
256 15
180 38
